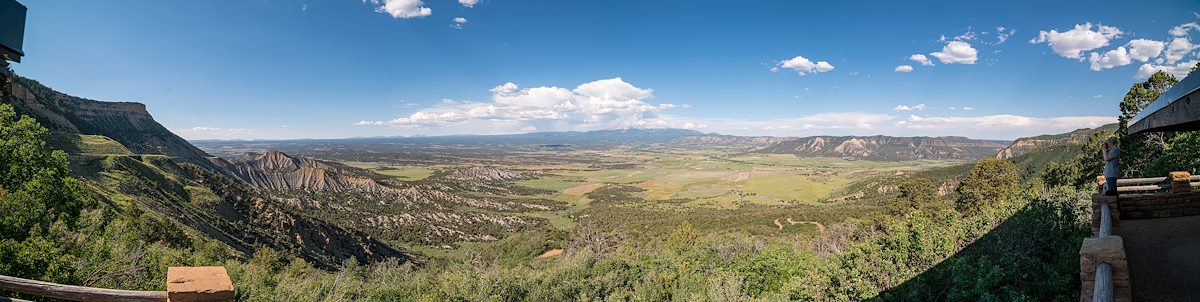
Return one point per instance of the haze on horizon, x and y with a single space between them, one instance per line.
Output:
335 69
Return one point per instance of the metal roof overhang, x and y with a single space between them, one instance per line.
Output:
1178 109
12 29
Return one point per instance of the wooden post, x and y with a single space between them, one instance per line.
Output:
206 283
1181 182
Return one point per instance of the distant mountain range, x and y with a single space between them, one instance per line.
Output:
884 148
887 148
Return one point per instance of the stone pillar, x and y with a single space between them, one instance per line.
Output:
195 284
1111 250
1181 182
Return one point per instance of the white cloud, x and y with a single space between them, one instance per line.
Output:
920 58
917 107
458 23
1072 43
904 68
967 36
1144 50
1182 29
603 104
1110 59
468 3
1178 49
1097 96
402 9
1180 70
957 52
803 65
1002 34
968 108
1005 122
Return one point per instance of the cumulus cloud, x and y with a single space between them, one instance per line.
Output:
904 68
458 23
402 9
1144 50
1110 59
468 3
1178 49
1179 70
1002 34
917 107
957 52
920 58
803 65
1072 43
1182 29
603 104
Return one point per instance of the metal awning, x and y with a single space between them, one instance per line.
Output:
1178 109
12 30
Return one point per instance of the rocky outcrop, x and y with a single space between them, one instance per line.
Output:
885 148
125 122
276 171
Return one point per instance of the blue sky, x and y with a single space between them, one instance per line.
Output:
327 69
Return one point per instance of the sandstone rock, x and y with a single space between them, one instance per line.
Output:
206 283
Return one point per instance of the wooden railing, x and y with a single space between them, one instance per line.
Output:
184 284
1153 184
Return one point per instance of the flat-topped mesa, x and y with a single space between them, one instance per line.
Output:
125 122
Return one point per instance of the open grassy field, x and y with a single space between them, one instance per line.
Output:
648 190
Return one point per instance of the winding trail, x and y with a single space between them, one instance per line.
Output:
820 227
790 221
551 253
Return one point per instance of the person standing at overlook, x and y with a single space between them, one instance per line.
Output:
1112 169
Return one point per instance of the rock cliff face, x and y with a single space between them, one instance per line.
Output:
1024 145
886 148
125 122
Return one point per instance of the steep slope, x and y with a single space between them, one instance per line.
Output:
431 212
125 122
130 160
277 171
1026 144
886 148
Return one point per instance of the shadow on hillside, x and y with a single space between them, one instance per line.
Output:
1031 256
